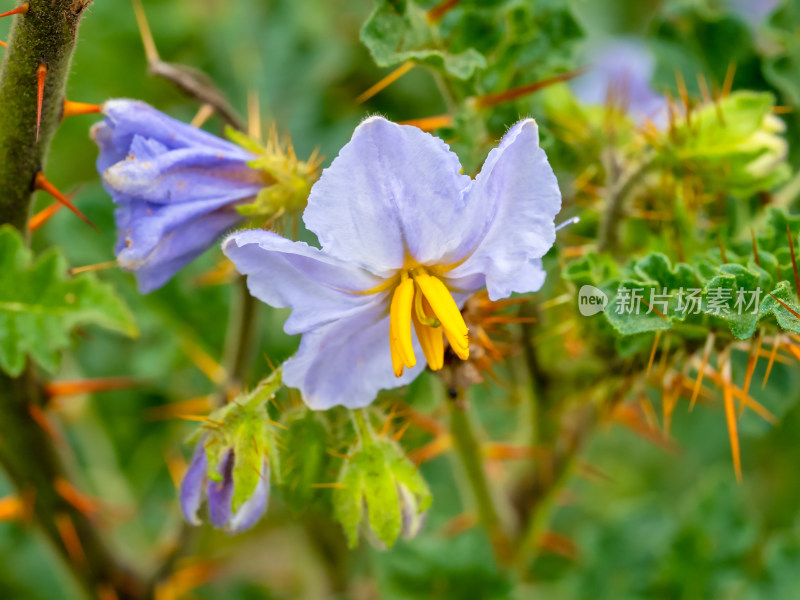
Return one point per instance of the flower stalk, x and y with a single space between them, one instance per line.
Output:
468 450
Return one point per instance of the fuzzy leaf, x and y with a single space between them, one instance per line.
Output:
40 304
398 31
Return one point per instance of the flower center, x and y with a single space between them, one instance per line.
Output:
422 300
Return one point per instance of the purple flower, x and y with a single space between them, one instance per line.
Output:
754 12
219 494
620 73
405 238
176 187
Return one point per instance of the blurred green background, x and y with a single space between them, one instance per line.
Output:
654 524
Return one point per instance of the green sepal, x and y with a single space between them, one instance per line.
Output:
369 482
243 427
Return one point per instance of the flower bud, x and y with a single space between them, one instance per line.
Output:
231 463
381 494
220 490
734 145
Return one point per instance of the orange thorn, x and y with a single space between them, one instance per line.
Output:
41 183
772 356
755 247
20 10
43 216
79 501
684 94
702 370
86 386
12 508
79 108
487 100
386 81
431 450
752 360
558 544
653 352
397 435
727 84
41 75
794 262
43 421
3 44
730 416
459 524
786 306
721 249
430 123
69 536
440 10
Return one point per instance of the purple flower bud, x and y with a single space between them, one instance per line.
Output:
219 494
620 74
175 185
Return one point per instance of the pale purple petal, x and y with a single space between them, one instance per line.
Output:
153 173
128 118
394 191
621 71
253 508
193 485
317 287
512 205
348 361
220 493
156 263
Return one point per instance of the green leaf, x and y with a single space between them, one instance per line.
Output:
40 305
398 31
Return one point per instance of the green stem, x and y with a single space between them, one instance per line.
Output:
469 452
608 236
241 338
549 480
44 35
30 457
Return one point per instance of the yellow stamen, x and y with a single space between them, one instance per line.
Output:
430 338
446 310
400 321
425 317
397 362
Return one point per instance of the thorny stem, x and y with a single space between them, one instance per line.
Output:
28 452
547 486
44 35
608 236
468 449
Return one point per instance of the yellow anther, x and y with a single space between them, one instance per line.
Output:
460 345
430 338
446 310
423 316
397 362
400 321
